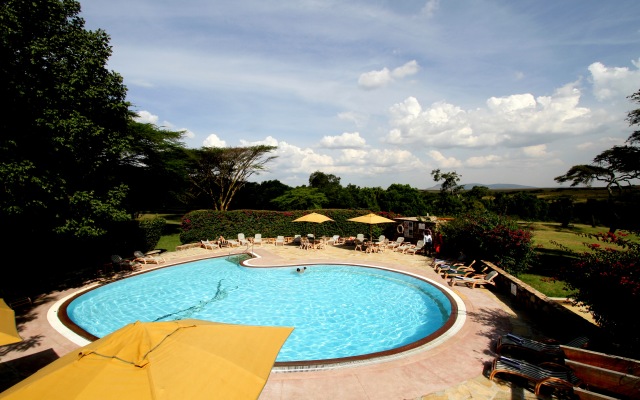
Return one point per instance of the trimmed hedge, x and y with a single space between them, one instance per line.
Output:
210 224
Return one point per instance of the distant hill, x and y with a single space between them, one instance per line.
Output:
493 186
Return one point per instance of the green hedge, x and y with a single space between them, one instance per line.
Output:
210 224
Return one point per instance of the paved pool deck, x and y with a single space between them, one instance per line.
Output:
452 369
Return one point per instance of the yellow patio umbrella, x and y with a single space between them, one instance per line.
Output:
313 217
188 359
8 332
371 219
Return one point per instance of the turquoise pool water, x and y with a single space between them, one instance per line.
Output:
337 311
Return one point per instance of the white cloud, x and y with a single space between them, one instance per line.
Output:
374 79
408 69
483 161
515 120
614 82
187 133
146 117
444 162
214 141
539 151
345 141
377 79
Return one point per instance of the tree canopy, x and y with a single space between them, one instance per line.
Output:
218 173
63 123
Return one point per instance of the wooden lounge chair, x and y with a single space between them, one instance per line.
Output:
209 245
474 281
547 374
147 259
469 271
121 263
397 243
535 350
416 249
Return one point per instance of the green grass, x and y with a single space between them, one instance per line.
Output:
552 257
543 284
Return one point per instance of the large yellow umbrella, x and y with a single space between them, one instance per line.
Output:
8 332
371 219
313 217
188 359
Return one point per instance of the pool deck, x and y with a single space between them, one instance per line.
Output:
454 369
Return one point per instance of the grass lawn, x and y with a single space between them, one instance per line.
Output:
552 257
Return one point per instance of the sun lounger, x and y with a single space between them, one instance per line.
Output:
472 282
533 349
550 375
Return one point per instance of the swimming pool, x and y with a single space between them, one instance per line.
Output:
340 312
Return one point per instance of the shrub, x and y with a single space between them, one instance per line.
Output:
152 230
210 224
606 281
488 236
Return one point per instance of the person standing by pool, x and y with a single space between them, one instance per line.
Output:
428 242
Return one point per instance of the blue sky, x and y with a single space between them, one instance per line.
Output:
385 91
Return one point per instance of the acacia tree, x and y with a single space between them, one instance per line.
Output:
449 201
218 173
617 167
63 128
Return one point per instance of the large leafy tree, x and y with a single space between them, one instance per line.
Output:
63 126
328 184
616 167
217 173
155 162
301 198
449 201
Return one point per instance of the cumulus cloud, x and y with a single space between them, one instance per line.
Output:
539 151
214 141
145 117
187 133
345 141
483 161
612 82
515 120
376 79
444 162
410 68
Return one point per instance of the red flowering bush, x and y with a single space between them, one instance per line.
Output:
488 236
606 281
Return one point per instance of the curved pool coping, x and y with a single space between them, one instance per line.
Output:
448 330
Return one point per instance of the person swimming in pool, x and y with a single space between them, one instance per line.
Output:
301 270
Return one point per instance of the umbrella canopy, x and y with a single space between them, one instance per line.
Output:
371 219
188 359
313 217
8 332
